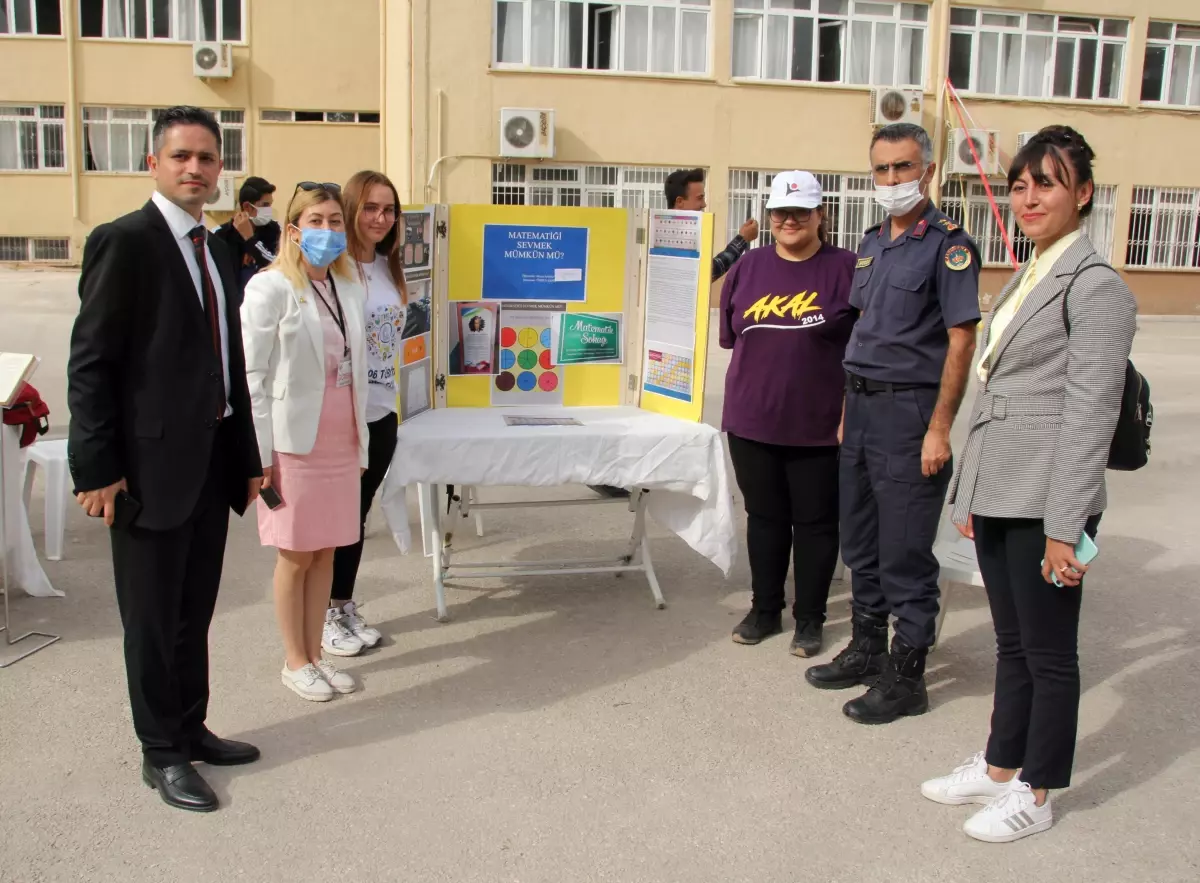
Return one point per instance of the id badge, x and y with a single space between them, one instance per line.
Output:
345 373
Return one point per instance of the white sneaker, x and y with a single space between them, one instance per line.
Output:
307 683
336 678
1010 817
358 626
336 638
969 783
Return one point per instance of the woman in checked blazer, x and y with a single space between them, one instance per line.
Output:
1030 483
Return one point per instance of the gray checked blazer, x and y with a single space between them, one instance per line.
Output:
1042 425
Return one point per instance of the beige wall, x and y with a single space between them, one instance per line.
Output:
299 56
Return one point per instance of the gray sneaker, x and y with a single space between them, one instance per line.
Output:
336 638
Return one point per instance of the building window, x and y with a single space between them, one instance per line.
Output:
1164 228
27 248
636 36
117 139
830 41
632 187
1037 56
968 206
320 116
32 138
183 21
42 17
1172 71
849 204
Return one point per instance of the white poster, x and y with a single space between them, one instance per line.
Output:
528 375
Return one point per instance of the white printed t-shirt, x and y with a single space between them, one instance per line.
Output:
385 321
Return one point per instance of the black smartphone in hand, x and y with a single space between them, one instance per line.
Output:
271 497
125 510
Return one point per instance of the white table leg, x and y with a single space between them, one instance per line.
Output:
423 491
431 518
943 599
639 547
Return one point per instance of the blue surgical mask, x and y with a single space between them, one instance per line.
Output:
322 247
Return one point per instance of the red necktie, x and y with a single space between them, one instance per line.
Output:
211 311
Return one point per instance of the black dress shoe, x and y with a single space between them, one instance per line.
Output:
179 785
222 752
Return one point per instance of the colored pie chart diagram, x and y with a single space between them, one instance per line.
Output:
526 381
527 359
545 337
507 359
548 381
505 381
544 360
508 336
527 337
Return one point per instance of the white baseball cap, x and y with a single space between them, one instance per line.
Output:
795 190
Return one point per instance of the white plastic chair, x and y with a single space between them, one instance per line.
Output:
51 456
956 554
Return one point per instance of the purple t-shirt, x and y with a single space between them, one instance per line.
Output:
787 323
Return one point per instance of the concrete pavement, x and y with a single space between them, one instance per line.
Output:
566 731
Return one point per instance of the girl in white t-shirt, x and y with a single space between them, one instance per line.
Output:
373 242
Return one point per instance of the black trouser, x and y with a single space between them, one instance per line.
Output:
890 511
167 582
1036 708
791 496
381 444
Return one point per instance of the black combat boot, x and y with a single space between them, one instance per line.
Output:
899 691
862 659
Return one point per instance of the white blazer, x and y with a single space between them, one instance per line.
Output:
285 361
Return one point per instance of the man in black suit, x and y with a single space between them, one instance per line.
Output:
160 419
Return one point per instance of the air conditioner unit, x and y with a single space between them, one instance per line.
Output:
1023 139
960 160
224 197
526 133
212 60
896 106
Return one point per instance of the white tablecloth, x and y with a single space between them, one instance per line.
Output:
681 463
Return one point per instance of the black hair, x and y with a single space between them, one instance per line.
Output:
184 115
677 184
897 132
1046 155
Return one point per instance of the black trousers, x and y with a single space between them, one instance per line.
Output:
890 511
791 496
1035 713
381 444
167 582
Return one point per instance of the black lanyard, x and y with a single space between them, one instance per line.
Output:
339 318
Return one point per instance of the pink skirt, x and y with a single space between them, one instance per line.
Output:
320 489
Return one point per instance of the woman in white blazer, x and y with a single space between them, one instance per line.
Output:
305 342
1030 483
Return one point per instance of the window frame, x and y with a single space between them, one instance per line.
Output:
1055 35
10 12
1150 209
42 121
696 7
1171 45
591 185
324 121
30 244
151 114
763 13
218 22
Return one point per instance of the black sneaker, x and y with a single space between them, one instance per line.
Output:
757 625
807 640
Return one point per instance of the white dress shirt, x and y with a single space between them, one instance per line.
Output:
182 224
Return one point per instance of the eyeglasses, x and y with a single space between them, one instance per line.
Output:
309 186
388 212
797 215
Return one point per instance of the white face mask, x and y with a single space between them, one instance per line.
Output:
263 217
900 199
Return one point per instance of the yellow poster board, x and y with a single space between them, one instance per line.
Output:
601 286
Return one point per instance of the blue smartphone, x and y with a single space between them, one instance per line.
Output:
1085 551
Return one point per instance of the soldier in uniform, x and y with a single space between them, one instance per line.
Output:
916 286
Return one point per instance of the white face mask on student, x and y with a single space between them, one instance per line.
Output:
264 216
900 199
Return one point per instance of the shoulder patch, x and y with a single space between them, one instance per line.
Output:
948 224
864 262
958 257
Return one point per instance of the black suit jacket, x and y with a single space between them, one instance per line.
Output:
144 385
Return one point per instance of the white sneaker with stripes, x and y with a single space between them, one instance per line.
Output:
1010 817
968 783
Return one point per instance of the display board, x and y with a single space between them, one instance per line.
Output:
542 266
673 350
423 253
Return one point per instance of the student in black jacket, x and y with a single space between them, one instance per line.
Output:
252 236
